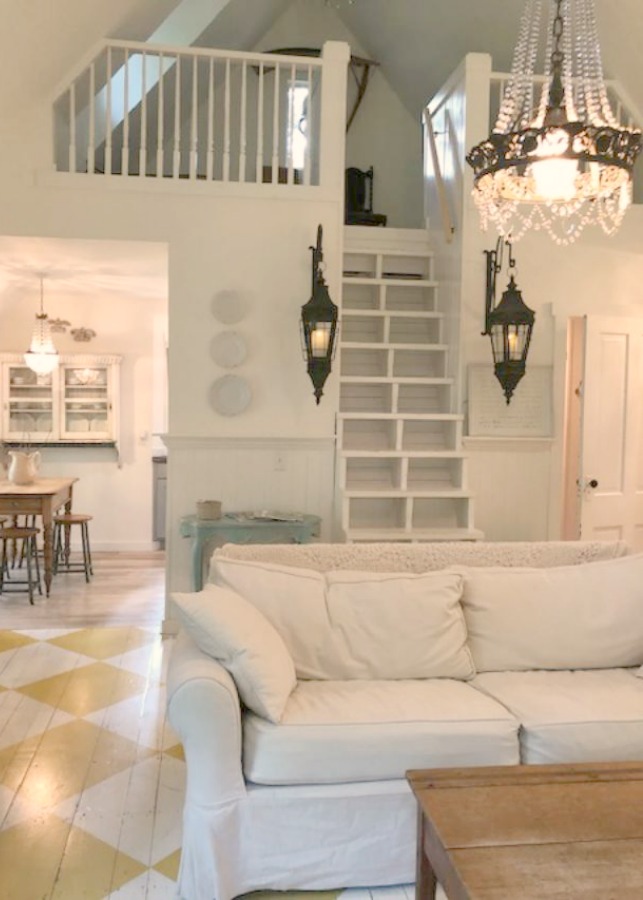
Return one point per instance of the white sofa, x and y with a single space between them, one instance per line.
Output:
306 680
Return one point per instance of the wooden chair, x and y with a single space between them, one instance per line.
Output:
62 562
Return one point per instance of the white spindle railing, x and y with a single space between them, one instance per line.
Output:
189 113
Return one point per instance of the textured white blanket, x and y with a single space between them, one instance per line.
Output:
424 557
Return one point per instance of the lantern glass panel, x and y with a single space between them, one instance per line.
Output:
320 338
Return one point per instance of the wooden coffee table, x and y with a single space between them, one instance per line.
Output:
531 832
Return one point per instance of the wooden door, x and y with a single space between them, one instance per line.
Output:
610 479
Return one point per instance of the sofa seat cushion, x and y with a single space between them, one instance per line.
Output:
335 731
580 716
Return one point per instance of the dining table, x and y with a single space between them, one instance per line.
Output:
43 497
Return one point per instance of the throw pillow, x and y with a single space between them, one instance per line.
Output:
587 616
234 632
292 600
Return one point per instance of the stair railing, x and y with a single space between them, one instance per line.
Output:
448 226
192 113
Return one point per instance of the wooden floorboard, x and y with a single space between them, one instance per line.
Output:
127 589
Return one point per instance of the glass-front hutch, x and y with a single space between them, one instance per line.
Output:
76 403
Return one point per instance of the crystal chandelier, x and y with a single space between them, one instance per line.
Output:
557 158
42 356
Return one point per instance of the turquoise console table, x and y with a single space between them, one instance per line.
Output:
236 528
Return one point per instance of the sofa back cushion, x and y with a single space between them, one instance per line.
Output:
573 617
391 626
351 625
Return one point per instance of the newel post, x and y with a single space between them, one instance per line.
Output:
335 56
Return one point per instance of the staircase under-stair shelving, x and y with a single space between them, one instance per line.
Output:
402 469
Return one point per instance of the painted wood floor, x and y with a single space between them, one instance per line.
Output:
91 774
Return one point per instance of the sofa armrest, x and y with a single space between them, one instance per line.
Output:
204 709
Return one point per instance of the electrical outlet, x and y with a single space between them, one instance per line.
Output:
280 463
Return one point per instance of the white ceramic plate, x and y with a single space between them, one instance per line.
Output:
230 395
228 307
77 424
228 349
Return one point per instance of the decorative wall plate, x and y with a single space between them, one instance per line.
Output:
228 307
230 395
228 349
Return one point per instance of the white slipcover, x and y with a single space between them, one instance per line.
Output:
572 716
368 730
240 837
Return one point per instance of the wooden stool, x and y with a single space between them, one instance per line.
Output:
61 546
28 538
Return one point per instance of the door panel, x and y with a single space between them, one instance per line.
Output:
611 480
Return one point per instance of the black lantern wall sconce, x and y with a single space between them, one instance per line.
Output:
318 324
509 324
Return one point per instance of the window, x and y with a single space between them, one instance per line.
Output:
298 94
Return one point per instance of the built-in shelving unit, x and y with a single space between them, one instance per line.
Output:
402 469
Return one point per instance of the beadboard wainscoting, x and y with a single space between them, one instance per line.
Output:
290 475
510 479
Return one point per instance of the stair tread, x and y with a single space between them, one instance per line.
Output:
398 379
457 493
420 417
394 313
401 454
390 345
414 534
395 282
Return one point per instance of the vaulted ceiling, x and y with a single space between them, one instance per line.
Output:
417 42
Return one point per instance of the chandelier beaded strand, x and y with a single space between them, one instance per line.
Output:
557 159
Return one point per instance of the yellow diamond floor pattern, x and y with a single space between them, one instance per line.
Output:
92 777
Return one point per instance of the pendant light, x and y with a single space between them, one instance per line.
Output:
318 325
509 324
42 357
557 159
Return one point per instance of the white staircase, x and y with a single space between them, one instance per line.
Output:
402 470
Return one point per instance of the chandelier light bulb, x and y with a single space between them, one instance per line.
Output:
555 179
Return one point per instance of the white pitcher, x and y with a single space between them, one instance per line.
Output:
23 467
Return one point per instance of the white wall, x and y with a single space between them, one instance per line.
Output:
384 134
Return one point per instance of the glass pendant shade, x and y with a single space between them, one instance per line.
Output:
42 357
557 158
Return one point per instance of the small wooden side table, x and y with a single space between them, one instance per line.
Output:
240 528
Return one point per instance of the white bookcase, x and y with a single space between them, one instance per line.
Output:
402 469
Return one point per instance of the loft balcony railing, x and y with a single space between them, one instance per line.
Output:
191 113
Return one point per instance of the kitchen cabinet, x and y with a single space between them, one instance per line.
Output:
76 403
